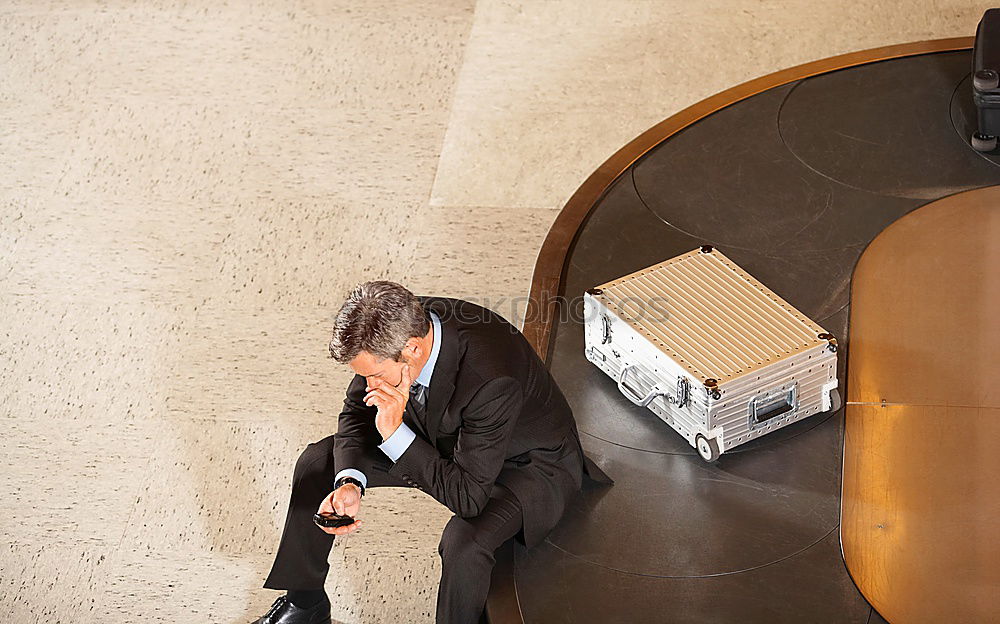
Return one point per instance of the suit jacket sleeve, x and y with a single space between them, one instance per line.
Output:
463 483
356 427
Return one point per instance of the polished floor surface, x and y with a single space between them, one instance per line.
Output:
187 191
792 184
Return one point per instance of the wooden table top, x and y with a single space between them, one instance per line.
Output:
921 495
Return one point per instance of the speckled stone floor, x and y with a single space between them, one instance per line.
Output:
189 189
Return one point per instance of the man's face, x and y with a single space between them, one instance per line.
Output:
388 370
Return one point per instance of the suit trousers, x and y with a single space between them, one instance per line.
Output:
467 546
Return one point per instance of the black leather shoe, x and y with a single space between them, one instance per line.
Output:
284 612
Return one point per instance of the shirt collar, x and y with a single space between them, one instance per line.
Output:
424 378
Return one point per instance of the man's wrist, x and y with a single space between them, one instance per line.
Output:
394 430
343 480
398 442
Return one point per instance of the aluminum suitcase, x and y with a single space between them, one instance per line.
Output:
710 350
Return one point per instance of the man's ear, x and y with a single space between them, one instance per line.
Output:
413 347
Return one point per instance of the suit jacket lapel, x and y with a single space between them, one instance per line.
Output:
411 420
445 370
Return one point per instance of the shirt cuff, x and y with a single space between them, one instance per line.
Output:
351 472
398 442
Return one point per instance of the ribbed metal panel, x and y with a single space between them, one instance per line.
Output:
709 315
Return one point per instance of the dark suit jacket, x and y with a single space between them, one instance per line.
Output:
494 415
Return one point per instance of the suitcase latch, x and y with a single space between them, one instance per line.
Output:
683 391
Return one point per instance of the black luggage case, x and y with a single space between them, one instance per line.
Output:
986 81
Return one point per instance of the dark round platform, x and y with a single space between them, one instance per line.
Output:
792 184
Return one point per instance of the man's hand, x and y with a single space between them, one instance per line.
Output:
345 501
391 401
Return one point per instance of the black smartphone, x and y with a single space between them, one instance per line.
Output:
332 520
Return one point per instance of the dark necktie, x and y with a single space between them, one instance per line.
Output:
418 394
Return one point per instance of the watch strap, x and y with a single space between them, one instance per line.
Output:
345 479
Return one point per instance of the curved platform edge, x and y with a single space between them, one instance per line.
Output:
547 278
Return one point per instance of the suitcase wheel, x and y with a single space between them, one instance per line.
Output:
835 401
985 80
707 449
983 143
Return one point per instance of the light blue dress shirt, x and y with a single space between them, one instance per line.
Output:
401 439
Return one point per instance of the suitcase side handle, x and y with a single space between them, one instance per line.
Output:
642 401
766 406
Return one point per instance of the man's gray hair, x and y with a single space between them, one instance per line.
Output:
378 317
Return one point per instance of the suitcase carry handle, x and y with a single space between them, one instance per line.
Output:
680 399
631 395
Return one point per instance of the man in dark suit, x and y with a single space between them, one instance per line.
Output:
448 397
